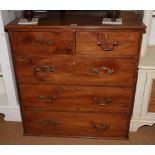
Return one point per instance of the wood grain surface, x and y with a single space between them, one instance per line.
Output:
75 76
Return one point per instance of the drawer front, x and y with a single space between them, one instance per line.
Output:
76 71
107 43
76 124
77 99
42 44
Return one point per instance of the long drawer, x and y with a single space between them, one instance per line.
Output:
76 124
107 43
75 98
76 71
42 44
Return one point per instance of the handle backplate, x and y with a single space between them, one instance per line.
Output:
107 45
47 99
100 126
103 68
42 42
49 122
45 69
102 101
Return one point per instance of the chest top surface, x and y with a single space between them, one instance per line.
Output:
79 21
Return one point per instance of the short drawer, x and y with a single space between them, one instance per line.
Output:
76 98
76 124
107 43
76 71
42 44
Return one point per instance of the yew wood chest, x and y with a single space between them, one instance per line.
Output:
75 76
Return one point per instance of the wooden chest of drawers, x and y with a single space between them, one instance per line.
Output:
76 81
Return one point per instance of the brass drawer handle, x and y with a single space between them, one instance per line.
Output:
100 69
45 69
101 101
41 42
49 122
47 99
100 127
104 44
